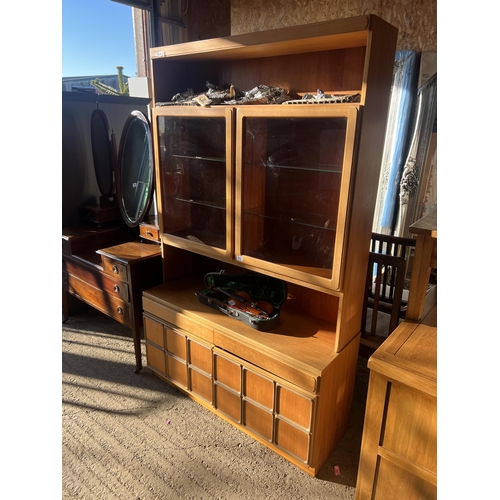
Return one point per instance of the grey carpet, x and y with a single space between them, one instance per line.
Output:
131 436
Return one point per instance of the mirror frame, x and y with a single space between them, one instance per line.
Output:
135 117
104 170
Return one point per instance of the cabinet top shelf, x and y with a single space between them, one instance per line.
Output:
326 35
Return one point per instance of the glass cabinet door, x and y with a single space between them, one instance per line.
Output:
195 159
293 170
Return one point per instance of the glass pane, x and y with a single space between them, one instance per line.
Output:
292 172
193 176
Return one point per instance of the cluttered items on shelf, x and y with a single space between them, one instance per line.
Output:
261 94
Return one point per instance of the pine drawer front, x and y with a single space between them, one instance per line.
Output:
114 307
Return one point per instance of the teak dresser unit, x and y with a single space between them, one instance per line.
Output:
399 446
286 191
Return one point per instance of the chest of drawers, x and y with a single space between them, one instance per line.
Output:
110 278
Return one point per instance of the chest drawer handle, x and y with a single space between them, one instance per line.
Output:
149 233
115 269
116 288
119 310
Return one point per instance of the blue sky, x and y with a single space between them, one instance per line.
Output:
97 36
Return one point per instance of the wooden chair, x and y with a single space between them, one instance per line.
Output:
392 245
388 269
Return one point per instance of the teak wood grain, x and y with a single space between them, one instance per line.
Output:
291 388
399 444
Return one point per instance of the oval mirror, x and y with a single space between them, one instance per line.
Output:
102 152
135 169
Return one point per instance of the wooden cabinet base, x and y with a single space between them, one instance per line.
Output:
301 417
399 447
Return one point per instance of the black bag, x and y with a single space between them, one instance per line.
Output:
254 299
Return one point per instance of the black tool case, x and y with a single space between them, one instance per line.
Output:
254 299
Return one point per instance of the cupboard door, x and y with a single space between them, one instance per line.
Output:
258 403
194 155
153 332
200 369
294 416
156 358
293 173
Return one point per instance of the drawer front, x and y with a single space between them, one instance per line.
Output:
179 320
104 302
94 277
149 232
115 269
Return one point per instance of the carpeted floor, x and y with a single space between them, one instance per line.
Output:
130 436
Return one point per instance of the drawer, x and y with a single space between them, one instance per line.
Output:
102 301
114 268
149 232
177 319
95 278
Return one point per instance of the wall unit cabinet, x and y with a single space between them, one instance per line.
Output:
281 190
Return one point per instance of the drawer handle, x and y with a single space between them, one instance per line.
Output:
149 233
115 270
119 310
116 288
